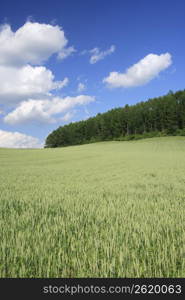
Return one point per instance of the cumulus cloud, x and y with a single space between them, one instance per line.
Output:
66 52
140 73
97 55
81 87
43 110
20 52
18 140
26 85
32 43
17 84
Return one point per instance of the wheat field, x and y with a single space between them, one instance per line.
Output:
110 209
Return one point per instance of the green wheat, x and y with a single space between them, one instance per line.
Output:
111 209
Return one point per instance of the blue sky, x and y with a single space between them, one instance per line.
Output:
63 61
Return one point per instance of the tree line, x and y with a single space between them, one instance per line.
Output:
164 115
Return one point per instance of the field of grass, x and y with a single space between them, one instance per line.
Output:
110 209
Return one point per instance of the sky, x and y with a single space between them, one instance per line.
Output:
63 61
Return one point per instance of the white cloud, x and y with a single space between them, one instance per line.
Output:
68 116
81 87
32 43
18 140
43 110
99 55
25 85
66 52
17 84
83 52
140 73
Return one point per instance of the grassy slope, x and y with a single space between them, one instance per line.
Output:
106 210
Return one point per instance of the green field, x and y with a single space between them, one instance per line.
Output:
110 209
